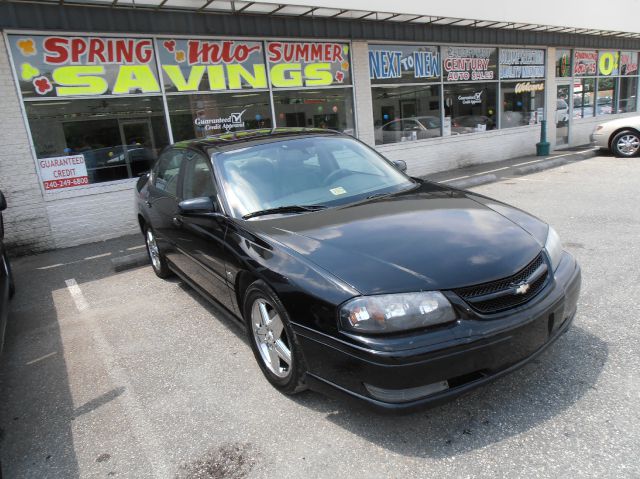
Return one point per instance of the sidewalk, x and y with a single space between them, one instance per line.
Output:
497 170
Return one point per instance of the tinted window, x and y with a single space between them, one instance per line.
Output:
197 182
166 172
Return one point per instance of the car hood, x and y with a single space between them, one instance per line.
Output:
431 237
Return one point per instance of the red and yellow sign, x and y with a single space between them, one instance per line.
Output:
71 66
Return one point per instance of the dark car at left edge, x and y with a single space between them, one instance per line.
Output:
7 287
351 277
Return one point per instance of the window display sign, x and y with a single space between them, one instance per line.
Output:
608 63
527 87
628 63
517 63
60 66
63 172
211 65
469 63
403 64
584 62
294 64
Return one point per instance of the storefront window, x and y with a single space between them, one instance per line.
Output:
628 94
583 97
112 138
606 98
330 108
197 116
522 103
628 63
563 63
471 107
405 113
585 63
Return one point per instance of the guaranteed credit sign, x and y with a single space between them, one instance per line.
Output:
63 172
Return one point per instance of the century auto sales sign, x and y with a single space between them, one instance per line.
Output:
469 63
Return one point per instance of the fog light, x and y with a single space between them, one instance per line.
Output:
406 395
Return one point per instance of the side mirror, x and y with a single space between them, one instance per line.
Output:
400 164
196 206
3 202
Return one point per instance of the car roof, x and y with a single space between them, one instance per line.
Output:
244 138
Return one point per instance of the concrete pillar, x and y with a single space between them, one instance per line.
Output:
550 97
27 227
362 92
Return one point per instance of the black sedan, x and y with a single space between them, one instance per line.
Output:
351 277
7 287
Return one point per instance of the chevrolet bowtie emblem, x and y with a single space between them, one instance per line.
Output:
523 288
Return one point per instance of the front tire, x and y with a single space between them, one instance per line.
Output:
272 339
158 261
626 144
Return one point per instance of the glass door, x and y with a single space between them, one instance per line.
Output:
563 114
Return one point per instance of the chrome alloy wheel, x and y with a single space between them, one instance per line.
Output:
628 145
154 252
271 338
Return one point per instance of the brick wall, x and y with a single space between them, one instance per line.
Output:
96 217
27 226
440 154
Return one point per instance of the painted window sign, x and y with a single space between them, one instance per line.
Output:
305 64
469 63
585 62
608 63
211 65
49 66
628 63
517 63
403 64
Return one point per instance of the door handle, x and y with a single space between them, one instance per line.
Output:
148 203
177 221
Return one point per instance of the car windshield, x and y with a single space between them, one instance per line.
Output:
310 172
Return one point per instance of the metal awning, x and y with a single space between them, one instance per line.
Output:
292 10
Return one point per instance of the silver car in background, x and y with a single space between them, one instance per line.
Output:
621 136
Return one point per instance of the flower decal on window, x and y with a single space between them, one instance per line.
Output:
27 71
43 85
339 76
170 45
27 47
180 56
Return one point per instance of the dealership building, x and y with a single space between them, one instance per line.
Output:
91 91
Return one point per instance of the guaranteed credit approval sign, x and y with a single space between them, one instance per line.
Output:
63 172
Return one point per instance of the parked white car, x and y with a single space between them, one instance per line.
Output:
621 136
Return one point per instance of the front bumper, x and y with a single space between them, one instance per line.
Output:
467 354
600 140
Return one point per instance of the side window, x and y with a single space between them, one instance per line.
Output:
197 181
167 171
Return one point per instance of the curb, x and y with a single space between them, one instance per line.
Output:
130 261
522 170
474 181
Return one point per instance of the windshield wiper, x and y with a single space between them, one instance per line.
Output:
284 209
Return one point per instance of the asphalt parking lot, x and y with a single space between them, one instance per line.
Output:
124 375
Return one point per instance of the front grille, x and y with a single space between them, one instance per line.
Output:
501 294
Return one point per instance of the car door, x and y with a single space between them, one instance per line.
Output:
162 201
200 236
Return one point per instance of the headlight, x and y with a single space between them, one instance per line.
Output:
554 248
396 312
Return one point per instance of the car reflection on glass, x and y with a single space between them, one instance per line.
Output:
350 277
413 128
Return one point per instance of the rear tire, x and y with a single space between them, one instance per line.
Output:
626 144
272 339
158 261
